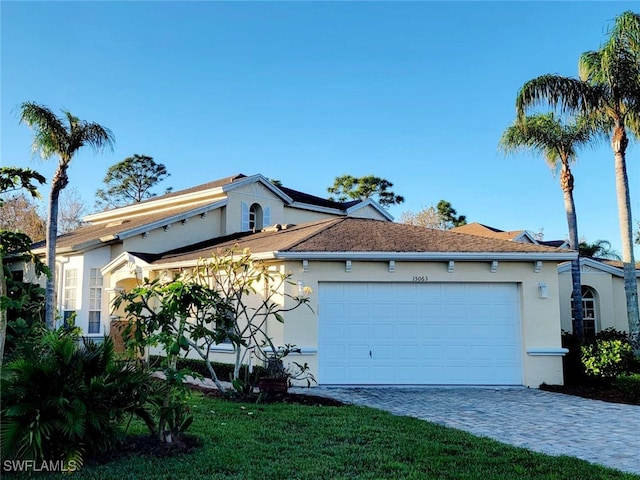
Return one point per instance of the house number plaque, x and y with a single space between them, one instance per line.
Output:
420 278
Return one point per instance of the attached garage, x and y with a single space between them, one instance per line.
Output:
419 333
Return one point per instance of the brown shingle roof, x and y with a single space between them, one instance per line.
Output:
90 233
486 231
357 235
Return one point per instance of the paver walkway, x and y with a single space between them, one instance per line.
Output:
552 423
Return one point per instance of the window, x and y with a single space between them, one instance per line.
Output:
589 312
70 293
95 300
255 217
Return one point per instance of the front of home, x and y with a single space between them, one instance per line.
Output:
392 304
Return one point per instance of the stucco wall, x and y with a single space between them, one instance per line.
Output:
540 317
610 299
195 229
250 194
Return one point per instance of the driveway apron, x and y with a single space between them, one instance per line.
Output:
553 423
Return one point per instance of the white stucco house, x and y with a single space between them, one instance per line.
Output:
603 297
392 304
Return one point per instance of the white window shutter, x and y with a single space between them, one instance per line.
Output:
245 217
266 218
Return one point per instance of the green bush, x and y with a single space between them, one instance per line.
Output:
629 384
223 370
607 359
66 400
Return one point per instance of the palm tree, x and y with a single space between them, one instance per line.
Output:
608 91
62 138
557 142
598 249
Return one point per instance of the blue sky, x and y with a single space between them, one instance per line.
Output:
416 92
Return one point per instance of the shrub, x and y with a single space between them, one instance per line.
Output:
223 370
607 359
67 400
629 384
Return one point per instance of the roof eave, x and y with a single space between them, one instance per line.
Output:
421 256
171 219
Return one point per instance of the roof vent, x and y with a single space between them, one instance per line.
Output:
117 222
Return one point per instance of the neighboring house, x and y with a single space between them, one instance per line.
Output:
391 303
603 298
604 303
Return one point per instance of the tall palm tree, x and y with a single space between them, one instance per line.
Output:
608 91
62 138
557 142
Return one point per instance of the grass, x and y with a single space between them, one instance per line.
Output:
282 441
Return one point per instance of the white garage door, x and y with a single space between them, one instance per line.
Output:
419 333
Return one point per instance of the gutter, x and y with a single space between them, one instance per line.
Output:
441 256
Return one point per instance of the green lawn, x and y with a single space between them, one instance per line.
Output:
278 441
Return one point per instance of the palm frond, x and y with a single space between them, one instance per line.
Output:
570 95
50 133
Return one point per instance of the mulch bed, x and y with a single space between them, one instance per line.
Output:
147 445
606 394
290 398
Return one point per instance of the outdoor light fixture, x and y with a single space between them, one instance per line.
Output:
300 287
543 290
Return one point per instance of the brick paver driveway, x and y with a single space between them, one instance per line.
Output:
553 423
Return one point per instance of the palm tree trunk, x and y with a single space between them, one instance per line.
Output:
3 312
566 182
60 180
619 144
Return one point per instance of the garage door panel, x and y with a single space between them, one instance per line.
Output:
419 333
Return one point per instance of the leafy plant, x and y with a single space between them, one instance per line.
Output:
607 359
65 400
629 384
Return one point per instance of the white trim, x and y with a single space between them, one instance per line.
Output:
122 259
257 178
565 267
316 208
547 351
171 219
374 204
416 256
222 348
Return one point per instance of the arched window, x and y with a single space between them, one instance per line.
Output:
590 312
255 217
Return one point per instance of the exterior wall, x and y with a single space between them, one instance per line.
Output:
540 319
539 316
611 300
195 229
250 194
368 212
297 215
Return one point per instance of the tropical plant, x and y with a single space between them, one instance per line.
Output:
62 138
228 298
66 400
608 92
348 187
558 142
607 359
598 249
15 243
130 181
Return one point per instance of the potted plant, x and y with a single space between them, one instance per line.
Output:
279 378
